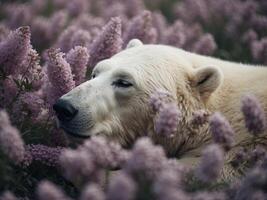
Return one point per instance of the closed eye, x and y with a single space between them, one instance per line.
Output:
122 83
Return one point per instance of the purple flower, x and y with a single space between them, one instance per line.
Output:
167 121
107 43
211 163
57 23
240 157
78 166
121 187
209 196
134 7
18 15
11 142
59 74
250 36
64 40
104 153
30 105
32 71
81 38
145 159
4 31
141 28
8 196
160 24
199 118
255 119
78 58
168 178
173 194
10 91
14 50
257 154
259 49
206 45
92 192
41 36
44 154
77 7
222 132
175 35
159 98
47 190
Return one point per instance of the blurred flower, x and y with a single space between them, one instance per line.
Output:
175 34
77 7
48 190
209 196
9 92
57 23
206 45
78 59
141 28
255 119
8 196
11 142
121 187
80 38
92 192
211 163
18 15
79 167
64 39
199 118
222 132
159 98
4 31
107 43
146 159
259 50
167 121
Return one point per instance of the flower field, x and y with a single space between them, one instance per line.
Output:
48 47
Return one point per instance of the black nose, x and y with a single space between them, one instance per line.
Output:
64 110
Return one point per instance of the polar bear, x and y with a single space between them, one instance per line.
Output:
114 102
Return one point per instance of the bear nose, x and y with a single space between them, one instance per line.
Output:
64 110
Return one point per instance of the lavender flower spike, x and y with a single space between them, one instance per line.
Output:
211 163
59 74
10 139
78 58
92 192
107 43
166 123
255 118
121 187
46 155
206 45
14 50
8 196
141 28
47 190
221 130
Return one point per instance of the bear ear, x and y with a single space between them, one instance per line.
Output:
134 43
207 79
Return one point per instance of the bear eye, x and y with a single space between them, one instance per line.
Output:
93 76
122 83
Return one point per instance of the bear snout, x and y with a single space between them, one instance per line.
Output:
64 110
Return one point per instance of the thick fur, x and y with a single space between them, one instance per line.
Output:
195 82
